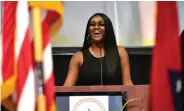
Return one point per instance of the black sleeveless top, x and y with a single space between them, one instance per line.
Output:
90 72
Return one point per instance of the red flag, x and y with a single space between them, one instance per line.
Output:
166 61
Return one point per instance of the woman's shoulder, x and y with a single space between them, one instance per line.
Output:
78 53
122 51
77 57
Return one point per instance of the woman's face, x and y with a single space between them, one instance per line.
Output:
97 29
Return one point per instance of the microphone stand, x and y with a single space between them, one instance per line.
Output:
101 66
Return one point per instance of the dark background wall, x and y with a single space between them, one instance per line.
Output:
140 63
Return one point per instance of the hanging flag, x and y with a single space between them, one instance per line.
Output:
24 57
13 52
52 22
166 61
50 25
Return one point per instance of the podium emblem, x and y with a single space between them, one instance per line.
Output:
89 104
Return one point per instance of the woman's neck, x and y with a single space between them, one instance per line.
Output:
97 47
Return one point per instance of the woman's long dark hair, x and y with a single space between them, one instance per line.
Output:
111 52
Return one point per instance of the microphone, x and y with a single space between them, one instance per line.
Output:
101 66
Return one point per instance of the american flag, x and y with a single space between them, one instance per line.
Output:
16 59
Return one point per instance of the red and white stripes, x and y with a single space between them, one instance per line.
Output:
23 50
16 57
48 69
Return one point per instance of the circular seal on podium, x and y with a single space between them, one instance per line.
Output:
89 104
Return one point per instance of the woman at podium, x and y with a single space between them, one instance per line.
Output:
101 61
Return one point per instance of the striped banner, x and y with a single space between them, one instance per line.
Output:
25 76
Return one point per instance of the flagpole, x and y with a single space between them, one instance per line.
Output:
38 53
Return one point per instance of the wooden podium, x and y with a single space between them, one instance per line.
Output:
141 92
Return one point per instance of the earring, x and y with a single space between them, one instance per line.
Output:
89 41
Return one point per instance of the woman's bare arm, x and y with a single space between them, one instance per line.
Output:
125 66
74 65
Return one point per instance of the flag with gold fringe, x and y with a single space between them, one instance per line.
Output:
17 63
